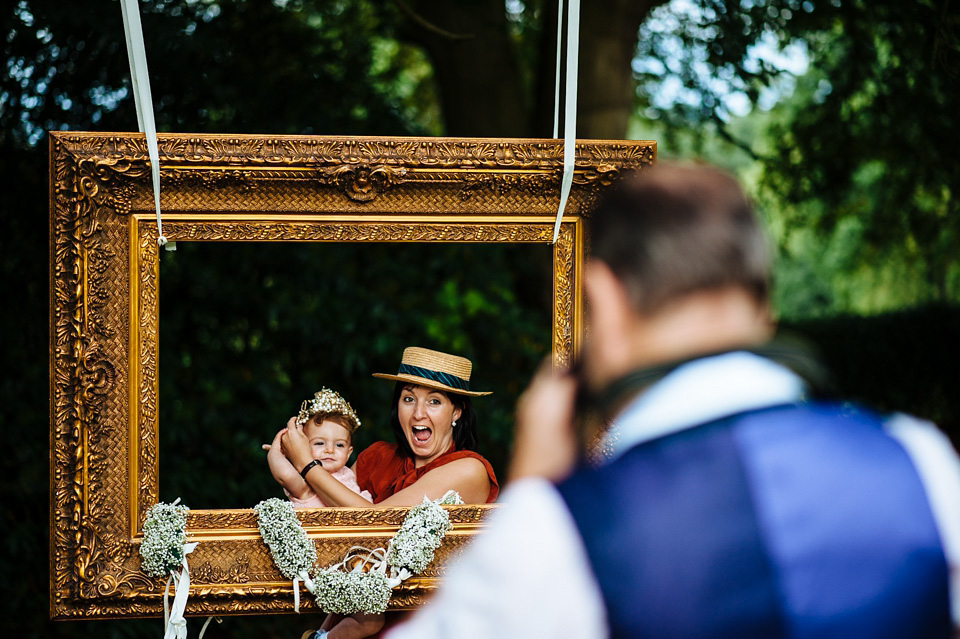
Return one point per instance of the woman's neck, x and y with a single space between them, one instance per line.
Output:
420 462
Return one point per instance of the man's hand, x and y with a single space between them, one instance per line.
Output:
545 442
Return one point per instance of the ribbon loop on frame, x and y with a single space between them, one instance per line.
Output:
143 99
570 103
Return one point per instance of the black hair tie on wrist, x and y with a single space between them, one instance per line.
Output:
306 469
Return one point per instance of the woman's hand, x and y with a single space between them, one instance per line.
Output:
295 445
545 443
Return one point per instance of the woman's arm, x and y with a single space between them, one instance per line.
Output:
283 471
467 476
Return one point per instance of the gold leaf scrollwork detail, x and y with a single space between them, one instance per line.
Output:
101 566
236 571
563 296
108 182
362 182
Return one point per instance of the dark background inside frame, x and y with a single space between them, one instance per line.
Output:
248 330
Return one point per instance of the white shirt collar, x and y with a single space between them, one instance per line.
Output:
702 391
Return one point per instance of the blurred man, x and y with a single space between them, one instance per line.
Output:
728 504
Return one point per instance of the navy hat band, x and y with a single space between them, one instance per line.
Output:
438 376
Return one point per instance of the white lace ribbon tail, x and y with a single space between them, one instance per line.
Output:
569 111
207 623
177 626
296 595
166 602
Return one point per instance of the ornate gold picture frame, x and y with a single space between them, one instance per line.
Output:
104 321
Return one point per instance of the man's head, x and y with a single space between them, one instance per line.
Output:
679 265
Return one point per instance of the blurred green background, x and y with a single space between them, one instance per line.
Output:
249 330
838 116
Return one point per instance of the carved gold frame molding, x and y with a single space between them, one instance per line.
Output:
104 320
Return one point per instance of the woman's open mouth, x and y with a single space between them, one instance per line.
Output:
421 434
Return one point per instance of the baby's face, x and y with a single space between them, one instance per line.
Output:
329 443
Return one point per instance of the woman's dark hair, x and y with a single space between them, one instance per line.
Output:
464 433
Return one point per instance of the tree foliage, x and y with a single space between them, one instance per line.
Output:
866 143
224 66
877 141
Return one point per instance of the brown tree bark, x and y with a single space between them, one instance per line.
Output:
479 76
608 41
474 64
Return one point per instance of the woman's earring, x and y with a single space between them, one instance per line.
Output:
454 424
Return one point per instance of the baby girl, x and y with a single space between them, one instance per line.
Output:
328 422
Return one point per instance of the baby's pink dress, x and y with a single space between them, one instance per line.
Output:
345 476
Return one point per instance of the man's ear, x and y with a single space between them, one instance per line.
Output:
610 307
611 323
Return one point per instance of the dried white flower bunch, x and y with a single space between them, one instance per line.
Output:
345 593
292 550
419 537
363 581
164 534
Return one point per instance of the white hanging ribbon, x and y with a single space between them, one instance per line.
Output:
207 623
296 594
569 107
307 583
166 602
175 624
140 81
556 80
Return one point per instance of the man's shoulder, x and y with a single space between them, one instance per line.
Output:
791 435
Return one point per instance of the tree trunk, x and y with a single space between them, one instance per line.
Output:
479 76
608 43
474 63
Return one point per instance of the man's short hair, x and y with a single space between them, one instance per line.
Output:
673 230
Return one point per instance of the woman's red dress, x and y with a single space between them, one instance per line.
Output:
383 471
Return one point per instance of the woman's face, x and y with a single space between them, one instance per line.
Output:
426 417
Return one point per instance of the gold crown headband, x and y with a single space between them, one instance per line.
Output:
327 401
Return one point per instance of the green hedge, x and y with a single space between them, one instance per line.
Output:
903 361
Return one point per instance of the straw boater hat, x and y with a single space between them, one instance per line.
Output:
434 369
